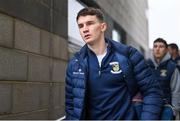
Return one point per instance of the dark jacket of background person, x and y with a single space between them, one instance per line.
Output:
174 52
167 73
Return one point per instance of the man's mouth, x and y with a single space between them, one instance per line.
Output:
87 36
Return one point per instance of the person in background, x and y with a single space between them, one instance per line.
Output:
103 76
174 52
166 72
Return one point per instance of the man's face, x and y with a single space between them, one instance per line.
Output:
159 50
90 28
171 51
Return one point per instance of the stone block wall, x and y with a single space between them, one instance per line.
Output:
33 58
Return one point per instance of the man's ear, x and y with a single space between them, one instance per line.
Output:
103 26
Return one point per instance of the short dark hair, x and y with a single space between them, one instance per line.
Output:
173 46
91 11
161 40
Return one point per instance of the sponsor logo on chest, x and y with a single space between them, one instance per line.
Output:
78 72
163 72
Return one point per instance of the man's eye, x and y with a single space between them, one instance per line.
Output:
90 23
80 25
162 46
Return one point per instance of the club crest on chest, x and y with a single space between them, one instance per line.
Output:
116 69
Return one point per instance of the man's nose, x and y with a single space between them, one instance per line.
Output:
85 29
158 48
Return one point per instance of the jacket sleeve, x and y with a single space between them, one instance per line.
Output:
148 86
175 89
68 94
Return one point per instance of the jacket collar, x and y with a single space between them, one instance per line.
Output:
84 50
112 45
163 61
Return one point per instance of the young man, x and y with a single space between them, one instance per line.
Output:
166 72
104 75
174 52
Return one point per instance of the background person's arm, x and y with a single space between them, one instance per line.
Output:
149 87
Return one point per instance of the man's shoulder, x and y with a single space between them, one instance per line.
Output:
72 61
121 48
171 62
149 61
126 50
171 65
119 45
78 56
79 53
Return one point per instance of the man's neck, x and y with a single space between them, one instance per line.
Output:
158 60
99 48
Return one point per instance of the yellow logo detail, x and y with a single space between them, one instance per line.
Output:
115 67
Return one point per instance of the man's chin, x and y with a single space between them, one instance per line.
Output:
88 41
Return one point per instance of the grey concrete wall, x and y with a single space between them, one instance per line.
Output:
33 58
131 15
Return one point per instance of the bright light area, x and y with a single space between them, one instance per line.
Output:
73 32
164 21
116 36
